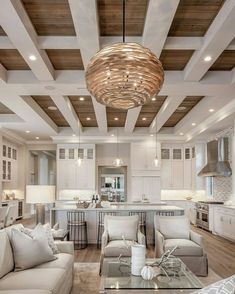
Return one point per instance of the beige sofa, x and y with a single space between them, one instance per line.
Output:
54 277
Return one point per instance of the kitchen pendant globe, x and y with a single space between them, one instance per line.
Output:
124 75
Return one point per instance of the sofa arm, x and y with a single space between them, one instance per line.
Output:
141 238
65 247
104 240
195 237
159 244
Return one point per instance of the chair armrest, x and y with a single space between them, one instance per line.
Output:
195 237
65 247
140 238
104 240
159 244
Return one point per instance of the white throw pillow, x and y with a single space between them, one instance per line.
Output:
6 255
119 227
50 238
30 250
49 234
174 227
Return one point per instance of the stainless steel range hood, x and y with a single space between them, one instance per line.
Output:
217 159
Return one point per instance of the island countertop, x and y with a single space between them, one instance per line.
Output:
121 207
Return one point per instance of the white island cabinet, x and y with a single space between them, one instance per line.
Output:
70 174
224 221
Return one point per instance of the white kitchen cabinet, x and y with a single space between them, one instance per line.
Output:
166 174
148 186
143 155
187 174
176 167
177 174
67 174
71 175
224 222
9 165
86 175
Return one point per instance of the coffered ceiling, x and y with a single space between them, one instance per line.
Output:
64 34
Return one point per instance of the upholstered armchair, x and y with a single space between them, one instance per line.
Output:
116 230
171 231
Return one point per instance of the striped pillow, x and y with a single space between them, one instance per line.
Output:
226 286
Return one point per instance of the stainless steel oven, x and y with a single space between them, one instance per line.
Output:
202 219
202 210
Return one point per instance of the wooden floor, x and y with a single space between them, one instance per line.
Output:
220 252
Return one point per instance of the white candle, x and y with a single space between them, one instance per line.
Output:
137 259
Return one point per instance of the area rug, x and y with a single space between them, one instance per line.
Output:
87 279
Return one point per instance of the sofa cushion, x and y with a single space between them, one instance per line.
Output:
120 227
8 230
50 279
64 261
226 286
6 255
173 227
49 235
25 291
30 251
117 247
184 247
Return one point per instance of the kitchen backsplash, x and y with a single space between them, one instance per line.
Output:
223 185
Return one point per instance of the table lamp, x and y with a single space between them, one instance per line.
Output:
40 195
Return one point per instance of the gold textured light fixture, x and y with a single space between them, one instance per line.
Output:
124 75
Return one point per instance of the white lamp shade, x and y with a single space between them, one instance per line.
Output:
40 194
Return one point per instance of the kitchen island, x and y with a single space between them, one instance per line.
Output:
59 214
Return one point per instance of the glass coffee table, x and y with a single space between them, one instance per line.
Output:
117 276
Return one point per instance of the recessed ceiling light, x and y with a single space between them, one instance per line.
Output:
144 118
116 118
154 99
88 118
211 110
74 135
27 132
207 58
32 57
151 135
37 138
112 135
52 107
181 134
180 108
193 124
81 98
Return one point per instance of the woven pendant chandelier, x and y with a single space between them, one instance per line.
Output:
124 75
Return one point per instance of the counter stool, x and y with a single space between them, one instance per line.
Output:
142 222
77 228
101 225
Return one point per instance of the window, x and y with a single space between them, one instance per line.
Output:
210 186
165 153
